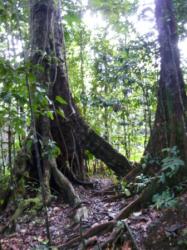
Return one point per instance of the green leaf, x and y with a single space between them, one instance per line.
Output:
60 100
127 192
61 113
50 114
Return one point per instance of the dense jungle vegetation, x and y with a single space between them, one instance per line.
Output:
93 126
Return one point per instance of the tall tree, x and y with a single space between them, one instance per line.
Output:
170 120
58 122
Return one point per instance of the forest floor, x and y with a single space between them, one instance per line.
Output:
148 228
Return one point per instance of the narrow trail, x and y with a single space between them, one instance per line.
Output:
102 207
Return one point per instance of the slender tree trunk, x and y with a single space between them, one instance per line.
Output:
170 121
2 151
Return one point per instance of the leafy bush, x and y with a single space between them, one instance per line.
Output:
172 163
149 160
141 182
164 200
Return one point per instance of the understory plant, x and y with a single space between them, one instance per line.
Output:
170 165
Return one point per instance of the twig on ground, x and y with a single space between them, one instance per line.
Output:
131 236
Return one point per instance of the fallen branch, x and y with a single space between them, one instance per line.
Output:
88 243
124 213
114 198
131 236
98 229
143 198
114 236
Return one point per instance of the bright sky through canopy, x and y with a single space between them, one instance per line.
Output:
143 25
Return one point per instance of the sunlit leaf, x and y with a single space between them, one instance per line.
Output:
60 100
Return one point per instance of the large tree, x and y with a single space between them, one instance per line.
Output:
66 129
170 120
169 130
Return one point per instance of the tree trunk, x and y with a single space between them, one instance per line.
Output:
170 120
68 130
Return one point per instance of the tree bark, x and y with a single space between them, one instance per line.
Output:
68 129
170 120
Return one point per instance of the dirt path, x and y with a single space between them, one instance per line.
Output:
30 230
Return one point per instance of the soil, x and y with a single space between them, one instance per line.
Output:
150 229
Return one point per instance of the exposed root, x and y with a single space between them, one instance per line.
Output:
114 198
114 236
143 198
75 180
69 193
65 185
86 244
89 237
124 213
34 203
98 229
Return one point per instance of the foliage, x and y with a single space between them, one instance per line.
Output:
114 11
122 187
112 72
4 182
141 182
171 164
164 200
181 8
149 160
183 239
50 150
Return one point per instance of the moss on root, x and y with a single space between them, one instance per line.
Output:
33 205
